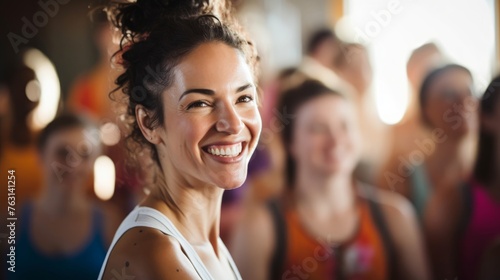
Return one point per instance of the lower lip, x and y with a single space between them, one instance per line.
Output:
235 159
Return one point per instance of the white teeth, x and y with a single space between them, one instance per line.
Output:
231 151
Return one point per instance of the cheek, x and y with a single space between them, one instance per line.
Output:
253 121
435 111
184 132
309 145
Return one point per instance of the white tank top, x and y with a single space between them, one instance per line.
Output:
143 216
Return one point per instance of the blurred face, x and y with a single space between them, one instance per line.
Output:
68 157
327 52
326 139
421 65
451 105
212 123
356 68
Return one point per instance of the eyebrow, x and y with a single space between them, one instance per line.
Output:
211 92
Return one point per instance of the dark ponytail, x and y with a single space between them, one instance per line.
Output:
484 169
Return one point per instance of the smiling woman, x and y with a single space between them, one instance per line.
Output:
189 78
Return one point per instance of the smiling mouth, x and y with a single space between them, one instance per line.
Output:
225 151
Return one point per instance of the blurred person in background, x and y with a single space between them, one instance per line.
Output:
463 224
402 136
63 234
327 225
422 60
444 158
354 67
90 92
90 95
18 149
322 53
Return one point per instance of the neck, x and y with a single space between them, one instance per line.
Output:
58 201
193 207
455 153
334 191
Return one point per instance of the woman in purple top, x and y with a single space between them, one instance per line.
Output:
463 224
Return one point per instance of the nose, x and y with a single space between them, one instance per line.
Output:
229 120
332 138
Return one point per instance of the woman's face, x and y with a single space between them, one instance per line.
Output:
69 155
326 139
211 121
451 105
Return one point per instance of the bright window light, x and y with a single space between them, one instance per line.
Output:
104 177
463 29
50 90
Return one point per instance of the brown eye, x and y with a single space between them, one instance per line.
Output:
198 104
245 99
85 151
61 153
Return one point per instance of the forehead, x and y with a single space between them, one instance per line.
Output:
214 66
452 78
71 135
325 107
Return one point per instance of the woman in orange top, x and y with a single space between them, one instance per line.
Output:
327 226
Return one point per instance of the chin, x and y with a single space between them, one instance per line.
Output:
230 181
231 185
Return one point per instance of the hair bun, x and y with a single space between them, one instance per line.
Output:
140 17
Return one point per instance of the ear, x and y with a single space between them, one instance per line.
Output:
144 121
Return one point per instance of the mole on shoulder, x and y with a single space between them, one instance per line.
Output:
135 244
140 230
126 264
177 270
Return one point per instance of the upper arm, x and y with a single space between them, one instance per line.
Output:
146 253
406 235
253 244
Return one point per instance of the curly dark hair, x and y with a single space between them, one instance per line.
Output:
155 36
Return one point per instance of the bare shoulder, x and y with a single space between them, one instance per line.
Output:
147 253
394 205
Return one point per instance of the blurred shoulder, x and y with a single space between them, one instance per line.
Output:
393 204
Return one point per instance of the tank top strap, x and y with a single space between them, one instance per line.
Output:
420 189
281 238
152 218
380 222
